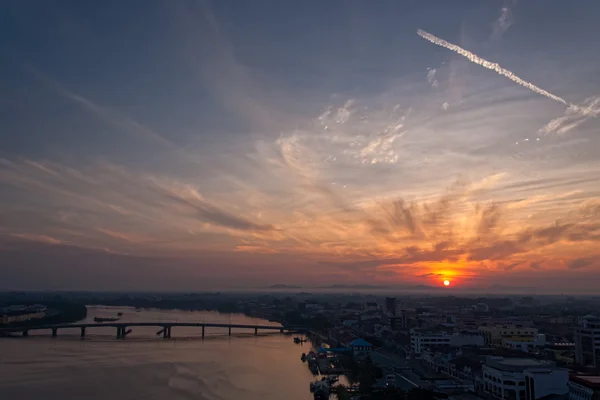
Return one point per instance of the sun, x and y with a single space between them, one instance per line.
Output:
446 282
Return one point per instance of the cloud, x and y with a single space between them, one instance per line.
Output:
122 122
489 219
431 77
212 213
535 265
574 116
505 20
95 203
37 238
581 263
511 266
430 275
489 65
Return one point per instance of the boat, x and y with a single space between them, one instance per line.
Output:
100 319
119 314
299 340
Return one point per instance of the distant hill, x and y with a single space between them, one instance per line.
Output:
359 286
284 286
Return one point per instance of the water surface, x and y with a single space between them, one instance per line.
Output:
145 366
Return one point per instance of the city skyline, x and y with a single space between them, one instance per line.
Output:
189 145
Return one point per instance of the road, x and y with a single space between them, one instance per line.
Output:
389 363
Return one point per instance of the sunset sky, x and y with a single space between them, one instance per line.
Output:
183 145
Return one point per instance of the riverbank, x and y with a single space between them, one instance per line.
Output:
57 312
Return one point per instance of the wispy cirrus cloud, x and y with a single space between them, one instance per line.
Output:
505 20
36 238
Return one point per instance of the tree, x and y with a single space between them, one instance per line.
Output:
342 393
420 394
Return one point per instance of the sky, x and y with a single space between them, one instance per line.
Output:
190 145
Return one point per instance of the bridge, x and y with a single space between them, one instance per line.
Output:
124 328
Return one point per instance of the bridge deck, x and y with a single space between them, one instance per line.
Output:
116 324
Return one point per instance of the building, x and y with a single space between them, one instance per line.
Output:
360 348
524 345
481 308
494 335
587 341
583 387
390 305
543 382
18 313
521 322
430 320
422 339
504 378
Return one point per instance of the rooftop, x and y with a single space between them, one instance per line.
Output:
359 343
591 381
516 364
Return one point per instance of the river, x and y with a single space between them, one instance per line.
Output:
145 366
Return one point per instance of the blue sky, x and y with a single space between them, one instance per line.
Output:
236 143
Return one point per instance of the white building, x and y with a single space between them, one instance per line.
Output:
504 378
587 341
583 387
541 382
420 340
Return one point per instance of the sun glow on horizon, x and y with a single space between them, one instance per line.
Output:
446 282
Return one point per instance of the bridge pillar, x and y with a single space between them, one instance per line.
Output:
203 331
164 332
54 332
25 333
119 332
168 329
83 332
281 330
229 331
255 331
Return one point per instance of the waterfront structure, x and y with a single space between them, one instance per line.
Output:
495 335
20 313
587 341
582 387
360 348
422 339
504 378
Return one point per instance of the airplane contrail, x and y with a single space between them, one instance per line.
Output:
490 65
